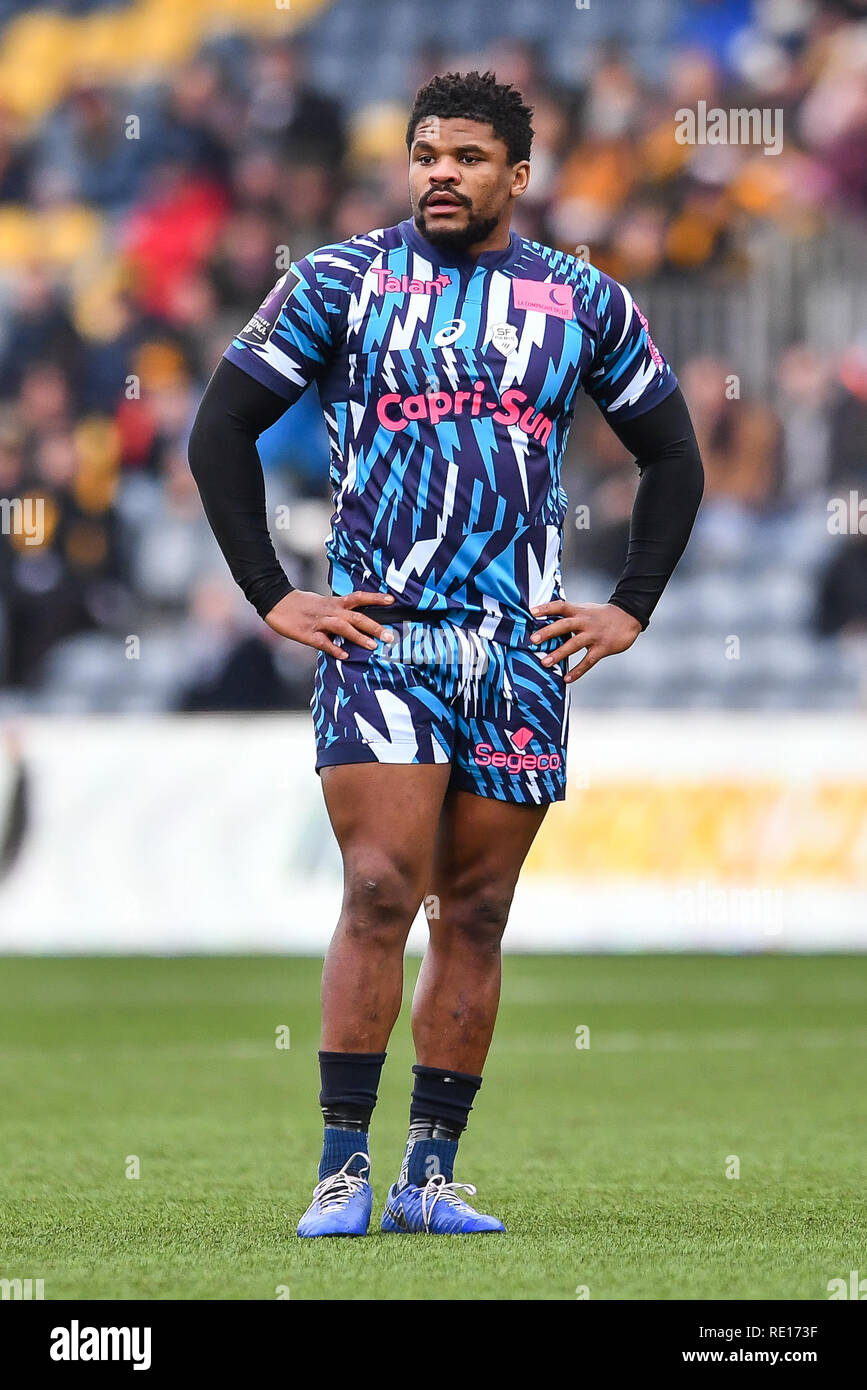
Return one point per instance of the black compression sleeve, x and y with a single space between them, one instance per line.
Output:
672 481
225 463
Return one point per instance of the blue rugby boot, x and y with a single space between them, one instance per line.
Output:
436 1210
341 1203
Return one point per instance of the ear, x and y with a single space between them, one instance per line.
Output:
520 178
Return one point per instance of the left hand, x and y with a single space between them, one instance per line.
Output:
602 628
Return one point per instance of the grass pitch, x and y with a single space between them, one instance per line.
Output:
608 1163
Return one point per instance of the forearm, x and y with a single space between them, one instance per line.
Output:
225 463
666 503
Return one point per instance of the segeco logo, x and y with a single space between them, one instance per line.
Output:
519 761
395 411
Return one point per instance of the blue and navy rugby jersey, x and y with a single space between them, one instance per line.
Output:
448 386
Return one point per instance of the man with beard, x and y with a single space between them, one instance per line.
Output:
447 352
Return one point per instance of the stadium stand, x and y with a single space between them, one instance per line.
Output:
155 159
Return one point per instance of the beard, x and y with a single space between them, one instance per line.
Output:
457 239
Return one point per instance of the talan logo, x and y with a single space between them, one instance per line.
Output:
389 283
77 1343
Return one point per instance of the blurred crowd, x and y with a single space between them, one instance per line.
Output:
140 227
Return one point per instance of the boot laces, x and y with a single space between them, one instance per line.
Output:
437 1189
335 1191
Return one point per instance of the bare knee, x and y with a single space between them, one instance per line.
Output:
380 897
477 918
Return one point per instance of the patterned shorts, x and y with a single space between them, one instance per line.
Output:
441 693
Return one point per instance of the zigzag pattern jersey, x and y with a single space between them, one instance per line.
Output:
448 386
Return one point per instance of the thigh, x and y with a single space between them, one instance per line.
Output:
481 845
384 739
512 747
385 817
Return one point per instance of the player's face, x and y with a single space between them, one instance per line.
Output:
461 184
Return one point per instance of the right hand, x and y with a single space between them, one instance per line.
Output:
310 618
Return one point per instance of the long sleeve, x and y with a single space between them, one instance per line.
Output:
225 463
669 492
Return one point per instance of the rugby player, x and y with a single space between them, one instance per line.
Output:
448 353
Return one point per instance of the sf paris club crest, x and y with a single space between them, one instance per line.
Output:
504 337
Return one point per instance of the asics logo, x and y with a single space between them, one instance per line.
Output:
453 330
387 283
519 761
395 411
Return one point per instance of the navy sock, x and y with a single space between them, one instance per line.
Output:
338 1146
350 1081
426 1156
441 1104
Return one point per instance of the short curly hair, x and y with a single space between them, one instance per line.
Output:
477 96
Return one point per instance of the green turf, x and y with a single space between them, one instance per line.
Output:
607 1164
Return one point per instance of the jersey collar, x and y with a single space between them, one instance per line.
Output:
490 260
